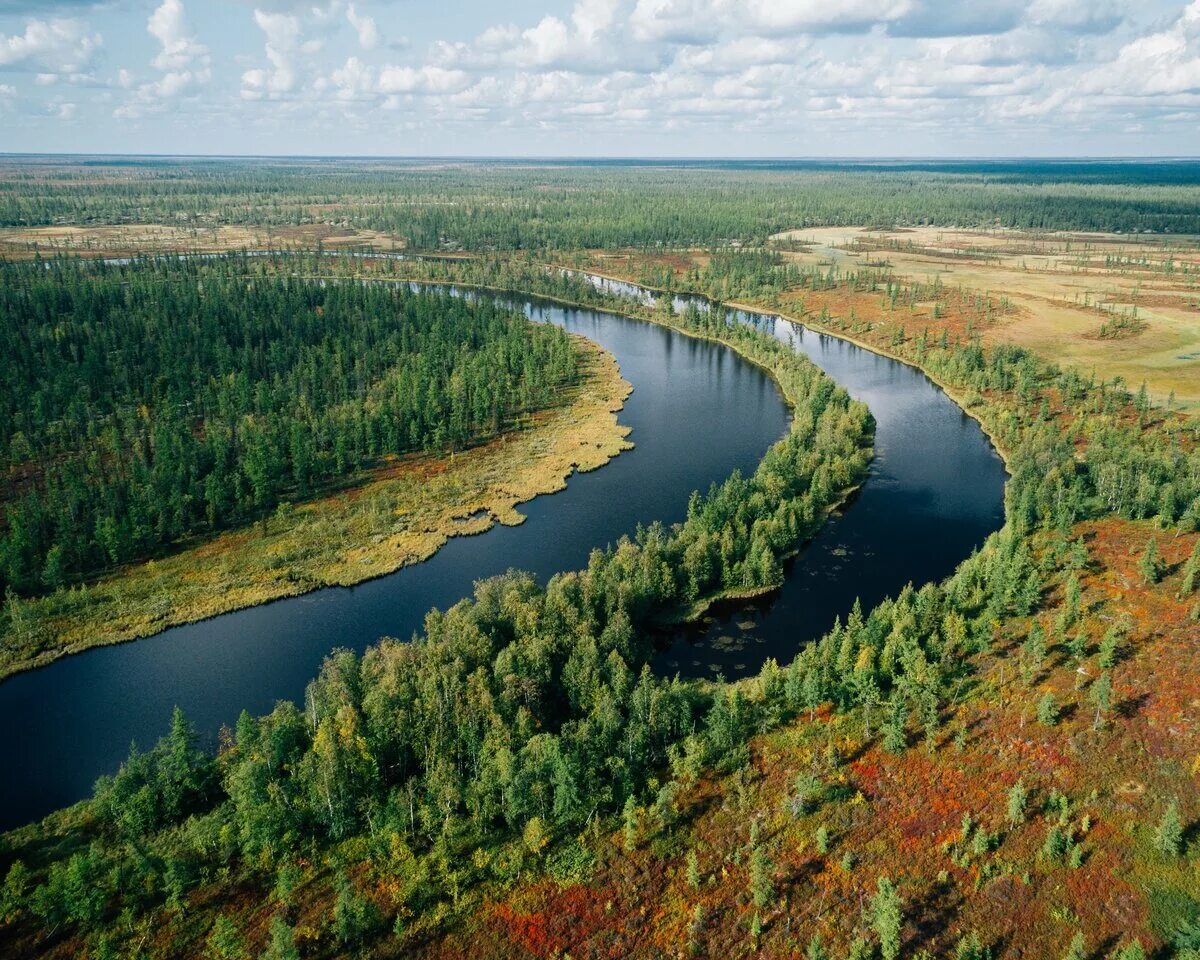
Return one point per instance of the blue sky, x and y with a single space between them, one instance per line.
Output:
602 77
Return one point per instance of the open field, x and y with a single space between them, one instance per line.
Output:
22 243
401 515
1065 288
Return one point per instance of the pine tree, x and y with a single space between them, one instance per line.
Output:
762 889
895 738
1017 798
693 870
887 918
1191 573
281 942
1047 710
1101 697
224 941
1151 566
630 830
1168 836
1077 949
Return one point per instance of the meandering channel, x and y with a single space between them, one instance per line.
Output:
698 412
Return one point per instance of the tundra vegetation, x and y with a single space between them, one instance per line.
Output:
1000 764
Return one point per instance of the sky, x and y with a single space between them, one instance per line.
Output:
711 78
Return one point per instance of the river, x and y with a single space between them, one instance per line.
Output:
698 412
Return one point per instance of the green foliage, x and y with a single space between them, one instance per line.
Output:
762 888
1151 566
1017 799
585 205
225 941
281 942
1101 698
887 918
1133 950
355 918
1077 950
1047 710
1168 835
160 787
970 947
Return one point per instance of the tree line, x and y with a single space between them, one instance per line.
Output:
477 206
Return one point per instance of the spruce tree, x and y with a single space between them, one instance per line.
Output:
887 918
1168 835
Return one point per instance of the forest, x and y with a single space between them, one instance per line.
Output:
145 402
529 205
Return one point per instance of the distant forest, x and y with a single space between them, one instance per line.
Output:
144 402
455 204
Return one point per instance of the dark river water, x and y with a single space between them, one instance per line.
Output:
697 411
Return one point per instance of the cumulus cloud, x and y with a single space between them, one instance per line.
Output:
811 71
282 32
1157 64
168 26
60 45
183 63
364 26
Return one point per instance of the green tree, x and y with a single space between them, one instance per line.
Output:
1047 710
1017 799
1077 949
631 829
1101 697
1151 565
355 918
762 888
281 942
1168 835
887 918
225 941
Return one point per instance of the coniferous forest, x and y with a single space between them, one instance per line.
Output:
145 402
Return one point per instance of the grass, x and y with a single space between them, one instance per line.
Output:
23 243
401 514
1063 287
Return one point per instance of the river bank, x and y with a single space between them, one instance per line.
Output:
399 514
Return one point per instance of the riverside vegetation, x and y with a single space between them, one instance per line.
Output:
126 437
1000 764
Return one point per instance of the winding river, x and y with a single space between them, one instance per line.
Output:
698 412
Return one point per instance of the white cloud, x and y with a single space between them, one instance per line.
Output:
282 32
179 48
427 79
364 26
61 45
704 71
1157 64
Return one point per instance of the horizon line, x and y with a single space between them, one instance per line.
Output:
606 158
